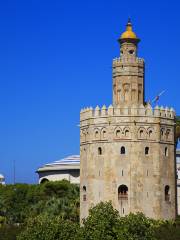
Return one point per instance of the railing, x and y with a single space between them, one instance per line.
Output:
122 196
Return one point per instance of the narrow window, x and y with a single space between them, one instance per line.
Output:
84 197
122 173
122 192
168 134
150 134
96 134
147 173
141 133
167 193
123 210
127 133
162 132
104 134
118 133
146 150
99 151
147 194
123 150
84 188
166 151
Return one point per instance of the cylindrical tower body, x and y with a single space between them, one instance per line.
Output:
127 156
127 151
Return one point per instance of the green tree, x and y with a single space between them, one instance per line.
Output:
20 201
105 223
44 227
102 223
136 227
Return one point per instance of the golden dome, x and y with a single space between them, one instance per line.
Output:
128 34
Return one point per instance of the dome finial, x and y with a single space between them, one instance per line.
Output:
128 35
129 21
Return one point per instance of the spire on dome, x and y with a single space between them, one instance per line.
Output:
128 35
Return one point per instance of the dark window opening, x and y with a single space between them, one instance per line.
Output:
84 188
96 134
150 134
84 197
167 193
131 51
122 192
123 150
104 134
127 133
141 133
99 151
166 151
146 150
118 133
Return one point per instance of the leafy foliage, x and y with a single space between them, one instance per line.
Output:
51 211
9 232
102 223
20 201
44 227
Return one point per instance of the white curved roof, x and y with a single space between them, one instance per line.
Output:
70 162
73 159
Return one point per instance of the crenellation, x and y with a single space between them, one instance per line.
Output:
134 110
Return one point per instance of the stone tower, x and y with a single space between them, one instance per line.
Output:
127 151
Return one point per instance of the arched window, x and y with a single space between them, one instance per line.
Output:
168 134
167 193
126 133
96 134
131 51
99 151
166 151
141 133
118 133
150 133
123 150
162 133
104 133
122 192
84 193
146 150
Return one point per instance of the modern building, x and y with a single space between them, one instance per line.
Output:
67 168
2 180
127 150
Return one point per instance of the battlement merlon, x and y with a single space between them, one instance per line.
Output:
119 61
133 111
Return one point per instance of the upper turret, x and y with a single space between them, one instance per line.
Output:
128 43
128 71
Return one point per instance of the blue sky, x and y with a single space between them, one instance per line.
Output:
56 57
